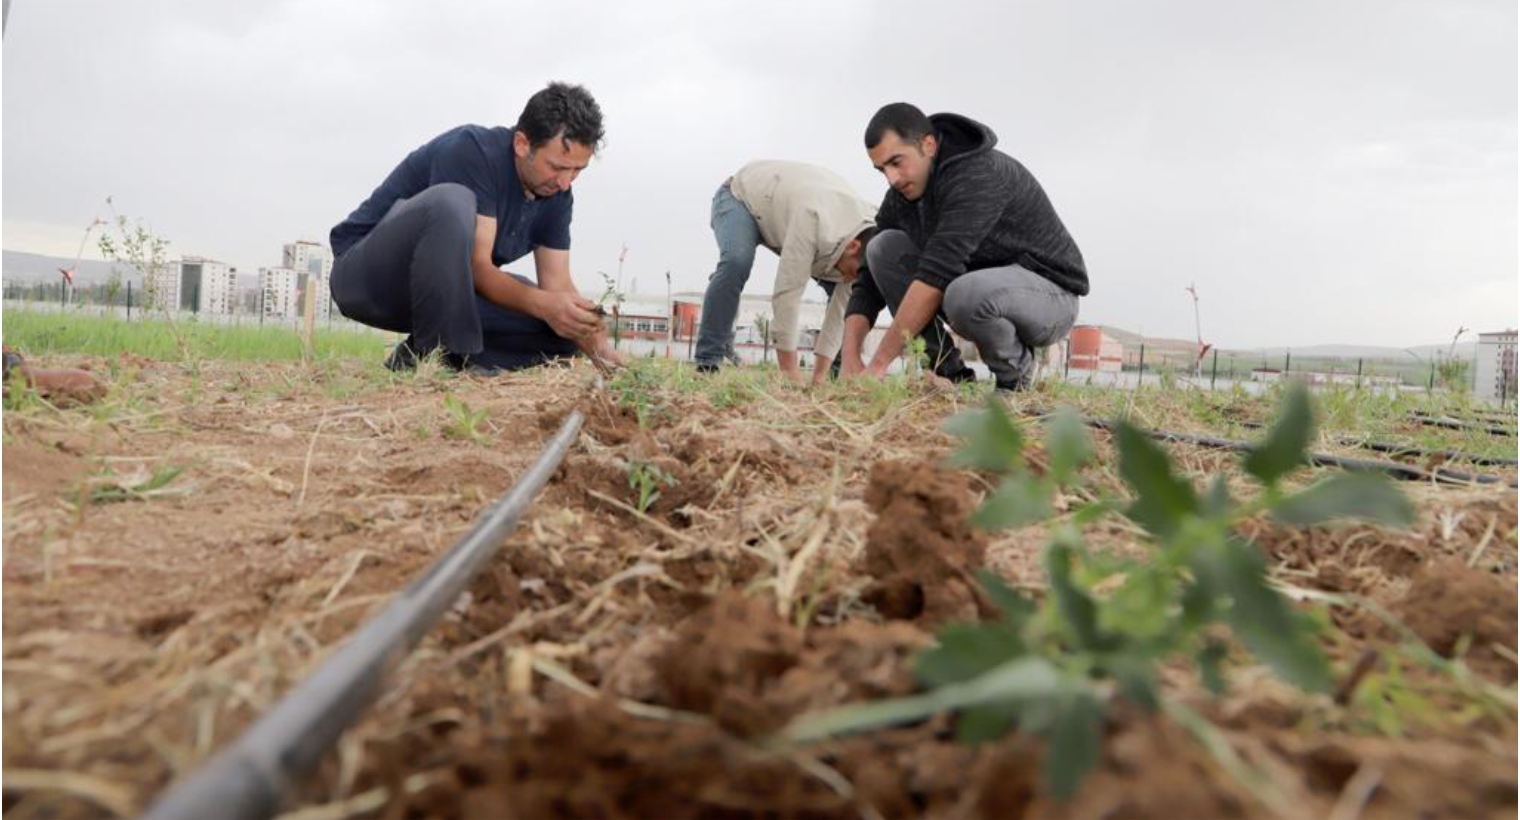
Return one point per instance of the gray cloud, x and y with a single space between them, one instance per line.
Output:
1325 172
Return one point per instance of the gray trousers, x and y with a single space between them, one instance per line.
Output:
1008 312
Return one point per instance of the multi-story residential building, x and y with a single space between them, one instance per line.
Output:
1495 379
312 263
278 292
195 284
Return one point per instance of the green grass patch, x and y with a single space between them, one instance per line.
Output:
37 333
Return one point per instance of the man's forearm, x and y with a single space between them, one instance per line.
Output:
500 288
856 328
787 360
917 310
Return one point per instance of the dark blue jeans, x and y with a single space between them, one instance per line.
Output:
411 274
738 236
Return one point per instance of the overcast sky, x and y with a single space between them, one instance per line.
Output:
1326 172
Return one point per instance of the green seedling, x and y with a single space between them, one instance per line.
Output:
1055 669
638 387
464 421
645 480
140 486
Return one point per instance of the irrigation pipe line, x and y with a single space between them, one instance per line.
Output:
252 778
1450 423
1392 468
1449 455
1407 450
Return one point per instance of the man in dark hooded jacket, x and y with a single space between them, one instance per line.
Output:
966 235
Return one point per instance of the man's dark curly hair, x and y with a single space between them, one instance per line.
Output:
565 111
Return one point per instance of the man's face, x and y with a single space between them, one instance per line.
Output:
905 165
551 167
849 261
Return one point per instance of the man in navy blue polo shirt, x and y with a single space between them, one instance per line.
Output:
423 255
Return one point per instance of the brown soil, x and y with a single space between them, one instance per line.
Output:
922 549
796 563
1448 601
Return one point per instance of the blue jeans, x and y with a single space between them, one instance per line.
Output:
738 236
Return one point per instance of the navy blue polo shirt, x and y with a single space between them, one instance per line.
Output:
480 159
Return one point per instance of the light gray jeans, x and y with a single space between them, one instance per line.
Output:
1009 312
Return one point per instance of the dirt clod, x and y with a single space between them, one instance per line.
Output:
1448 600
922 548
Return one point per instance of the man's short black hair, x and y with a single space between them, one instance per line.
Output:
910 124
565 111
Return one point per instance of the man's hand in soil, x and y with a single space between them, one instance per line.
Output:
856 328
569 314
821 367
600 351
916 312
787 361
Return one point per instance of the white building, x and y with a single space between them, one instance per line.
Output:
195 284
1495 380
162 286
278 291
312 263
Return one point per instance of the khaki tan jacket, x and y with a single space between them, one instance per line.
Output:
806 215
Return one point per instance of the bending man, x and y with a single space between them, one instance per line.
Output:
967 235
423 254
816 223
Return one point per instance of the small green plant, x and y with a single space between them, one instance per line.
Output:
139 486
916 357
638 387
1053 669
464 421
645 480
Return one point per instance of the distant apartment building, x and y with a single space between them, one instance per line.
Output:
1495 379
277 292
312 263
195 284
282 290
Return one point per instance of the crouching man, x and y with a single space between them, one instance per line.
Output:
423 254
818 226
967 235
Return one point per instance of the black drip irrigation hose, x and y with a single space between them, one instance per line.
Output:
1407 450
251 779
1448 455
1450 423
1393 469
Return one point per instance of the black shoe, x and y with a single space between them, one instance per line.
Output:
964 374
403 358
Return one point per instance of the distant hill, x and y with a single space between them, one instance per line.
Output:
23 267
20 266
1465 350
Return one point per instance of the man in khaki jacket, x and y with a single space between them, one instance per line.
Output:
819 227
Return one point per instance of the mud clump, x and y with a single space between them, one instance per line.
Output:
726 660
589 759
921 550
1447 600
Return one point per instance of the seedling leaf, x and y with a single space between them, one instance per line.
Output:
1018 500
1283 449
1347 495
992 439
1162 498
